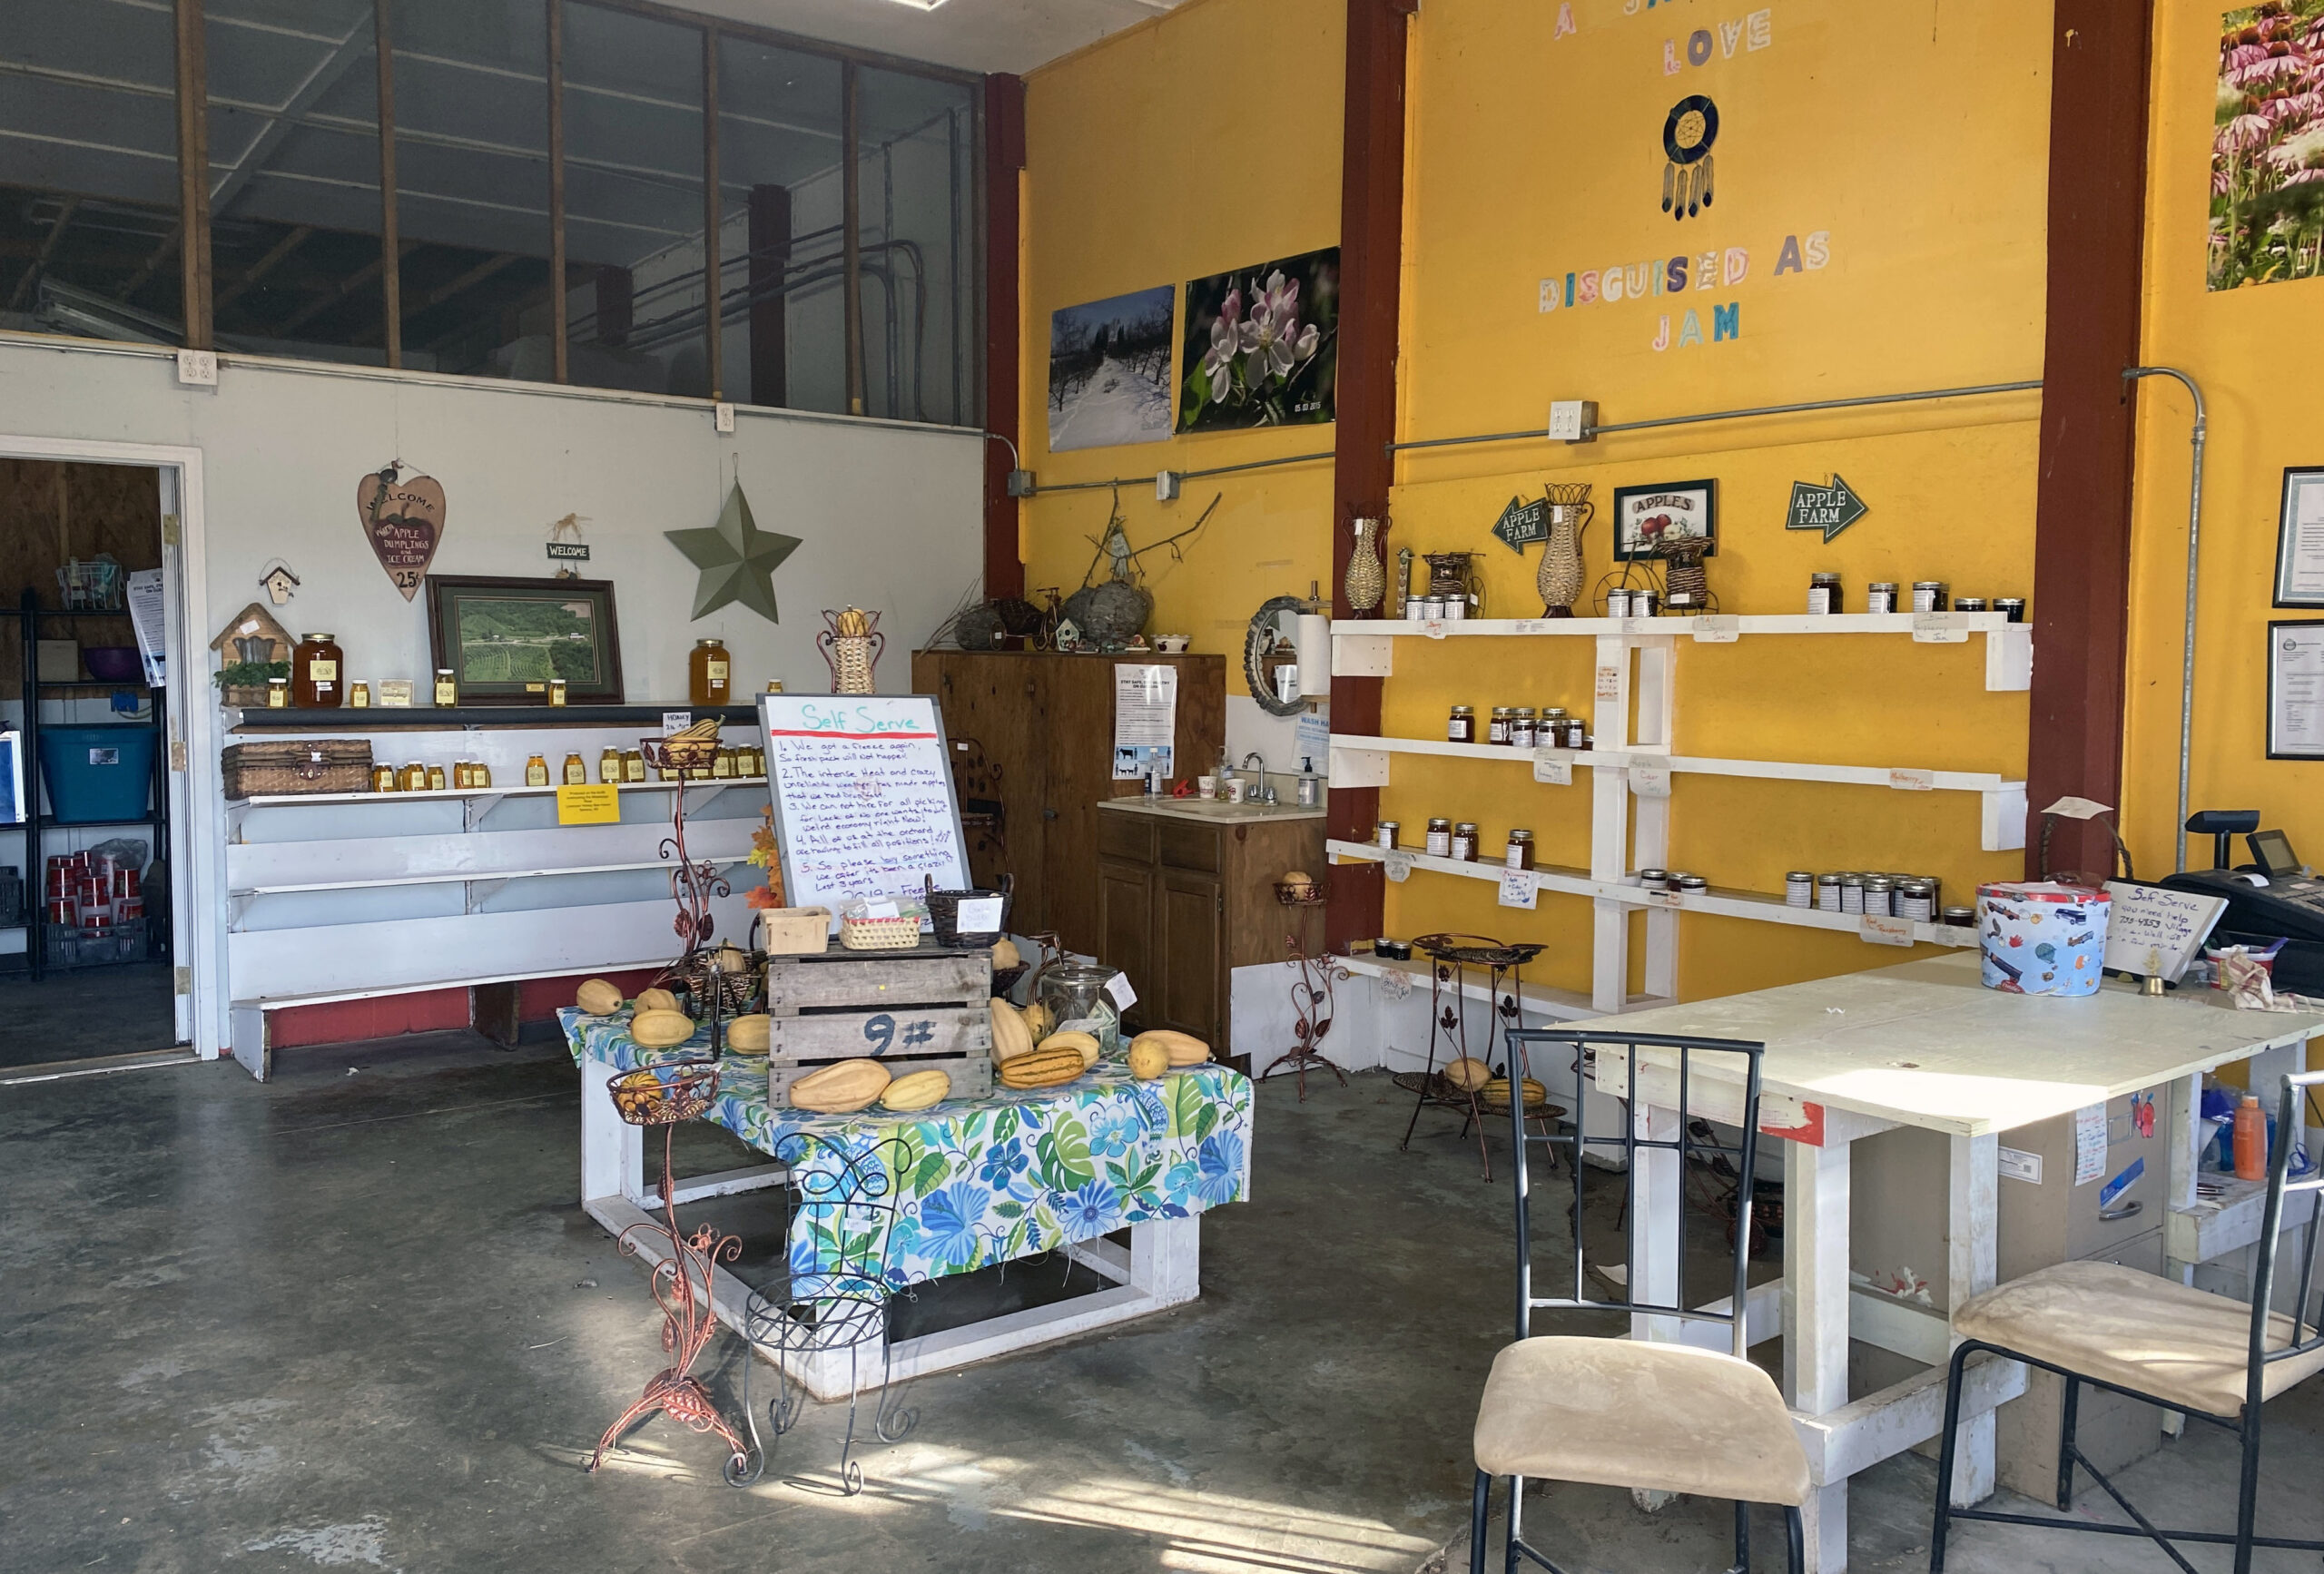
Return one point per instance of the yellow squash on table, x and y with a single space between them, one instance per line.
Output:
840 1089
1005 954
1050 1066
1039 1020
1082 1044
597 997
1010 1036
659 1029
1183 1048
656 1001
917 1090
750 1035
1147 1059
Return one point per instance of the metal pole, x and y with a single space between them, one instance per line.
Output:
560 364
852 238
1812 405
713 238
390 241
2194 541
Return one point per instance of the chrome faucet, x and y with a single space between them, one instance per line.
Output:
1258 791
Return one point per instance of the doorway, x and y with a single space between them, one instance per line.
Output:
92 839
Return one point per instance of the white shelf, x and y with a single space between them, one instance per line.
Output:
1755 906
477 876
455 794
1559 1004
1363 762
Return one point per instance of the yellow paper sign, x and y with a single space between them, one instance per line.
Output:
598 804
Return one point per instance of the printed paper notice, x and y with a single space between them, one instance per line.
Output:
598 803
1519 888
2016 1164
1145 719
150 621
2300 572
2089 1143
2296 688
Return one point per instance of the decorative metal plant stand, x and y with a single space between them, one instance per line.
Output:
1452 957
663 1095
1311 992
694 884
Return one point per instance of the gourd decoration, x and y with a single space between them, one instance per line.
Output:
840 1089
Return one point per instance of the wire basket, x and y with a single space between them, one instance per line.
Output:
1299 892
667 1094
944 913
679 753
702 977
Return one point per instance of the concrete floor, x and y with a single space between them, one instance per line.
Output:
85 1014
353 1318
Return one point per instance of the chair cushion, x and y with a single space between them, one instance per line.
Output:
2156 1336
1622 1412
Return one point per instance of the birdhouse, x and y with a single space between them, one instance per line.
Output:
279 582
253 636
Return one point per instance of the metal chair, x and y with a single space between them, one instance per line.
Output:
2209 1357
1629 1412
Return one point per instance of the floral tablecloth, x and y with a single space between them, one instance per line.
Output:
985 1180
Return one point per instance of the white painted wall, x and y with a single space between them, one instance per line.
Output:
889 514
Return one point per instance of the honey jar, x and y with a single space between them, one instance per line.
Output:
633 765
479 774
277 693
557 691
708 672
315 682
383 778
413 778
722 764
448 690
609 766
537 771
436 777
577 774
358 696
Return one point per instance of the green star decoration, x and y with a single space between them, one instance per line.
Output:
737 559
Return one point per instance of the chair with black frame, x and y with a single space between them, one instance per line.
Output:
1647 1415
2129 1333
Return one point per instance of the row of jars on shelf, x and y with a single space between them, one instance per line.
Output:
1519 727
1828 595
615 766
318 664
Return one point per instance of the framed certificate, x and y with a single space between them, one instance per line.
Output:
2296 690
2300 540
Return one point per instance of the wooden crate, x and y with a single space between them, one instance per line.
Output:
913 1011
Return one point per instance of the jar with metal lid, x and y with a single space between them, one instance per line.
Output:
1464 842
722 764
707 671
315 682
1960 918
1383 834
1969 604
1822 594
557 691
1880 895
1577 733
1618 604
1913 902
1930 595
537 771
447 688
1851 894
1880 595
277 693
1645 604
1799 888
1654 879
1690 885
1519 852
1440 838
413 779
1827 893
1497 728
1523 733
479 774
383 778
2013 607
609 768
575 773
633 765
1461 726
436 780
358 696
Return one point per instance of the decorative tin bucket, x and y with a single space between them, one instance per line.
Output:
2042 938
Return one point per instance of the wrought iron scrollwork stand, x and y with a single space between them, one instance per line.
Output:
1311 993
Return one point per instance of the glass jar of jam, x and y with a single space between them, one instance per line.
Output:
576 774
1519 852
1497 729
1461 726
537 771
1523 731
1384 835
1440 838
708 672
609 766
1822 594
315 682
1880 595
1464 842
1930 595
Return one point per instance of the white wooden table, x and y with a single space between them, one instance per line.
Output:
1846 1057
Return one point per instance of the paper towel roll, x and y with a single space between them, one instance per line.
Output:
1315 656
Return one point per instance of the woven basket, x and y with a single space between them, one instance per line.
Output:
287 765
900 933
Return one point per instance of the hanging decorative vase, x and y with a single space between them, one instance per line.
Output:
852 643
1368 575
1559 578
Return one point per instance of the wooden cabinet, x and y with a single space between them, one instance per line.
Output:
1043 726
1183 900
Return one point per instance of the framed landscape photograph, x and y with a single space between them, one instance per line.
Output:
504 639
1109 371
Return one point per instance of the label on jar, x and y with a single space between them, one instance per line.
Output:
1457 730
1514 858
1464 848
1440 844
1819 600
1519 888
1664 898
715 671
322 671
1879 601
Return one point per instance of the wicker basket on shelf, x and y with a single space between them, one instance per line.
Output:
900 933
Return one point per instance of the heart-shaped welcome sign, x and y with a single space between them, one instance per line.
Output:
402 514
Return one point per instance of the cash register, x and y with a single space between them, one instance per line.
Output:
2272 898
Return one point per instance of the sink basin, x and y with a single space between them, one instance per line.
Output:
1212 809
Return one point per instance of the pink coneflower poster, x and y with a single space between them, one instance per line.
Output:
2268 145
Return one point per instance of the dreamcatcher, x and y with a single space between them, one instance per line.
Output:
1687 138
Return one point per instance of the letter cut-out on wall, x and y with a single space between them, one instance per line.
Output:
402 515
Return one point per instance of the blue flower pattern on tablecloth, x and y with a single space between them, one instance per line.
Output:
987 1180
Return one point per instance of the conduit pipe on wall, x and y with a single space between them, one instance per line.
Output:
2194 541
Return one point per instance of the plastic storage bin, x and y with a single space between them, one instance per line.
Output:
97 774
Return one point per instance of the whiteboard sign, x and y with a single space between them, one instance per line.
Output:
863 804
2150 929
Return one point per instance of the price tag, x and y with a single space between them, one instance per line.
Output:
1398 865
880 909
1553 767
1714 628
1519 887
1877 928
1937 628
1118 988
1532 624
1434 628
1670 898
1650 781
675 722
1610 685
980 914
597 804
1913 780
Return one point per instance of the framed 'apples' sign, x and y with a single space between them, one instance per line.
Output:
1649 519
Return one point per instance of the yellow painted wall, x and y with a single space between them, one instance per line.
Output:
1206 140
1912 134
2249 349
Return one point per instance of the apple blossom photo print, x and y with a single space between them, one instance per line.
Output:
1261 346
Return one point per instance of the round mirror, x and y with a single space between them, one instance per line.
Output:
1271 655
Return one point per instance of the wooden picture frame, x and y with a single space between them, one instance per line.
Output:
506 657
1693 504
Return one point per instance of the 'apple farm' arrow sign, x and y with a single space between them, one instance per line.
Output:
1830 510
1521 523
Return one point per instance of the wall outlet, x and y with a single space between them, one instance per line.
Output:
1573 421
725 415
197 367
1165 485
